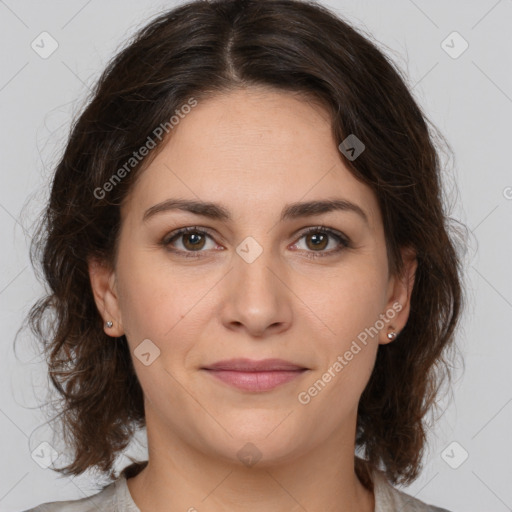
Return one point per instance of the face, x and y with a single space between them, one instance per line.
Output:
249 281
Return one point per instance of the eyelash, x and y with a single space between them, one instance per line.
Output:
344 241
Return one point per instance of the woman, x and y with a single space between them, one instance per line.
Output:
249 255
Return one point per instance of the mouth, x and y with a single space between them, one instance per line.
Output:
255 376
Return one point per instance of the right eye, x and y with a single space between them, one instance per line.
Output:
192 240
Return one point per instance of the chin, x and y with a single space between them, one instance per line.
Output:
261 447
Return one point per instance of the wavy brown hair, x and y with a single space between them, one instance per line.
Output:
200 49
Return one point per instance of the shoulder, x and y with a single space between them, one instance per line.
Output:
390 499
105 500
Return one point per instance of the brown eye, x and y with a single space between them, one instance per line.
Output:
193 241
318 241
188 241
319 238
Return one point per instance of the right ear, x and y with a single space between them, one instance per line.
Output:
103 283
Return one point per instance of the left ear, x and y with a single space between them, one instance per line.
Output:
399 296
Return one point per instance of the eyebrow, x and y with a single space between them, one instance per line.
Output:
291 211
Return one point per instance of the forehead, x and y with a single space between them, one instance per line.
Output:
251 149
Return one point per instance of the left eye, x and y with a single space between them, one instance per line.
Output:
193 240
317 239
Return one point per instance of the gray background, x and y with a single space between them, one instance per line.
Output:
469 98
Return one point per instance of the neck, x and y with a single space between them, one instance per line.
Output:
181 477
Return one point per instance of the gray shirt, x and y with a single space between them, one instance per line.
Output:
116 498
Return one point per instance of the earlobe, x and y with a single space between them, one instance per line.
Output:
103 285
399 297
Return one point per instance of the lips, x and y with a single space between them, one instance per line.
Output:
250 365
255 376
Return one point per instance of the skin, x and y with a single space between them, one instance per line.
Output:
252 150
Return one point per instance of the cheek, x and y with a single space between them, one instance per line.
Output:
147 299
348 303
161 304
346 313
349 346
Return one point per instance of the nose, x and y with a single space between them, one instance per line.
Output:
257 296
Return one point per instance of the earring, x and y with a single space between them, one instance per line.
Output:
108 324
391 335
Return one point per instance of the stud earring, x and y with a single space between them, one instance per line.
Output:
109 324
391 335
